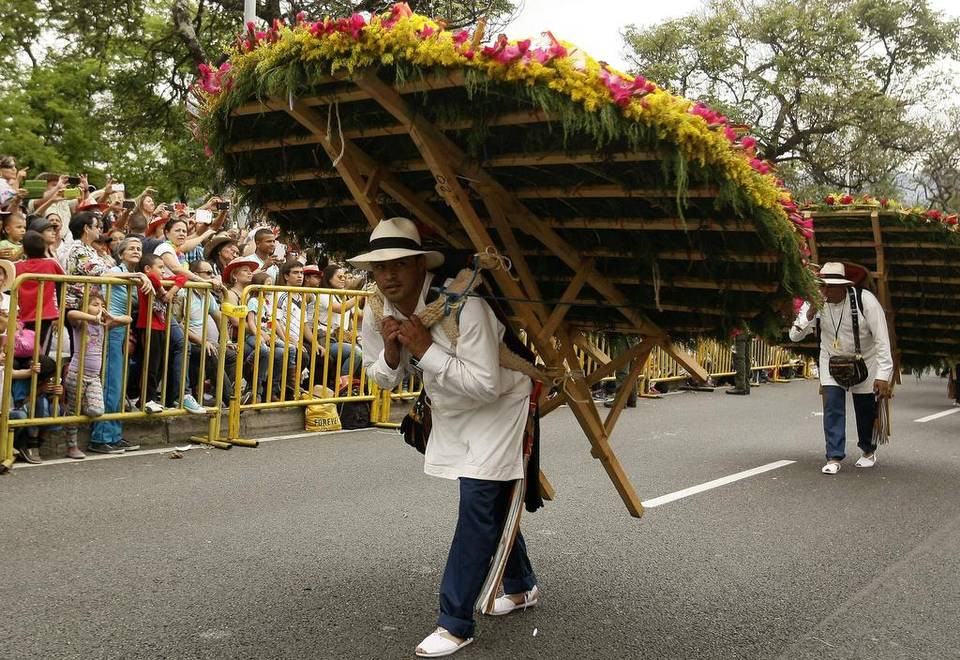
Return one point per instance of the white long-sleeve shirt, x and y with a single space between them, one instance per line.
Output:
836 322
479 408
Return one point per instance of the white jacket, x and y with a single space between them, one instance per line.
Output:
874 338
479 408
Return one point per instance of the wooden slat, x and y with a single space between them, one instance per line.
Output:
518 118
513 159
649 224
670 255
681 283
605 191
925 279
301 204
433 81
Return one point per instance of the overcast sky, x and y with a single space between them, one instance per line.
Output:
594 25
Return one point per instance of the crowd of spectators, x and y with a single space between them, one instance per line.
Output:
156 323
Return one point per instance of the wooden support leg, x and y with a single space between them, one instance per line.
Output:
628 386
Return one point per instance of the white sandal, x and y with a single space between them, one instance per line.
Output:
831 467
867 461
436 645
505 605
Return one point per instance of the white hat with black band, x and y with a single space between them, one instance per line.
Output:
833 273
392 239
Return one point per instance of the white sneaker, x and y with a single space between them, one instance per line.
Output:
867 461
153 407
191 406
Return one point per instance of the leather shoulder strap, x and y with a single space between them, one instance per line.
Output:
854 318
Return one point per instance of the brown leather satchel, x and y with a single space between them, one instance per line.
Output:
850 370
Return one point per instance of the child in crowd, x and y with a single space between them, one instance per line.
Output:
14 227
84 393
38 263
154 319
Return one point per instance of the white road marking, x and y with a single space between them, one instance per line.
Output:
716 483
930 418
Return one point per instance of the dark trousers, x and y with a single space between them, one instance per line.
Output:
741 362
835 420
211 368
483 509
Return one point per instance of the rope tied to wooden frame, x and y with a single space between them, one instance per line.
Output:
331 109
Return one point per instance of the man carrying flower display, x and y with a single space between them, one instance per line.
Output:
479 412
852 325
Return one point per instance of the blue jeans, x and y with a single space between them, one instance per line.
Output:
835 421
483 510
343 352
111 431
268 356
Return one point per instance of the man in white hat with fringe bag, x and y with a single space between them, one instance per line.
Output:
479 416
854 355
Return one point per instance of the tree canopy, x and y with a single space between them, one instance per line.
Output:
837 91
102 89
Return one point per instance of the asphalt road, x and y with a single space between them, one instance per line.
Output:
332 546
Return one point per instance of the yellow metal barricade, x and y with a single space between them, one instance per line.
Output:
287 355
44 330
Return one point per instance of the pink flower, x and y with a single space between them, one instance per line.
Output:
301 17
397 11
426 32
352 26
730 134
207 150
749 143
760 166
556 48
461 37
513 52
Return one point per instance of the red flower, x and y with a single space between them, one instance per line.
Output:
830 200
951 219
884 202
934 214
846 199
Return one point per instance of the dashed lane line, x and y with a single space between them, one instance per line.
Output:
716 483
930 418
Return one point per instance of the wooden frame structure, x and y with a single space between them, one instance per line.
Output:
395 155
912 264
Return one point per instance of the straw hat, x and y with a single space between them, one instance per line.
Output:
238 262
9 274
395 238
833 273
215 243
